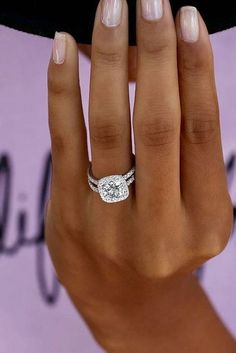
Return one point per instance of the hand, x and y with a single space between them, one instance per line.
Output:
121 262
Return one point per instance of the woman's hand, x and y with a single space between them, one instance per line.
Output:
124 264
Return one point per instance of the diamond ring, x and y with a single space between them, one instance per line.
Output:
112 188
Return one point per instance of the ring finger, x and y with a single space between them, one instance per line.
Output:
109 112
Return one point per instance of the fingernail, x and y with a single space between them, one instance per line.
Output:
189 23
152 9
111 12
59 48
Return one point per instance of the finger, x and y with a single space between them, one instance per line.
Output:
202 165
66 121
157 108
109 114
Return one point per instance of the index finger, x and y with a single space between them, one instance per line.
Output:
66 120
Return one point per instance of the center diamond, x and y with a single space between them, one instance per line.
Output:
113 188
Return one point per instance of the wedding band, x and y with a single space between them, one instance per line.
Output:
112 188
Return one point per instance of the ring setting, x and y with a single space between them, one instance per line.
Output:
112 188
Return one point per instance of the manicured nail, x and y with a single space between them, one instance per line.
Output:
59 48
111 12
189 23
152 9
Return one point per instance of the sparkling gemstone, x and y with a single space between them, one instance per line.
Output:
113 188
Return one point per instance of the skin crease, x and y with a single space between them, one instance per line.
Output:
132 59
128 267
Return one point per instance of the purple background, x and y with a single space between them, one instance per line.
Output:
27 323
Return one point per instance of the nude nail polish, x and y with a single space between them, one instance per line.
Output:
111 12
152 9
189 24
59 48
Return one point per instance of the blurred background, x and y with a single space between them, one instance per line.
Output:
35 314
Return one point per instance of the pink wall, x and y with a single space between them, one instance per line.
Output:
28 323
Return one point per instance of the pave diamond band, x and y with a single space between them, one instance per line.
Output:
95 181
112 188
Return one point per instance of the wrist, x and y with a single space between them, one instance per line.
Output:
139 324
174 316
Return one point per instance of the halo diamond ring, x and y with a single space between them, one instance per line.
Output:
112 188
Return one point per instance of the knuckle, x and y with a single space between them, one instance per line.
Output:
157 48
227 209
59 143
157 132
215 240
216 243
193 64
56 84
200 131
152 261
107 135
107 57
71 226
160 272
226 220
154 270
66 224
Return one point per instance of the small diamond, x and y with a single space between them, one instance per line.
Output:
113 188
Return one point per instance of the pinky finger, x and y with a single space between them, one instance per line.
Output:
202 165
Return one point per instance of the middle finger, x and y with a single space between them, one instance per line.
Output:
157 106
